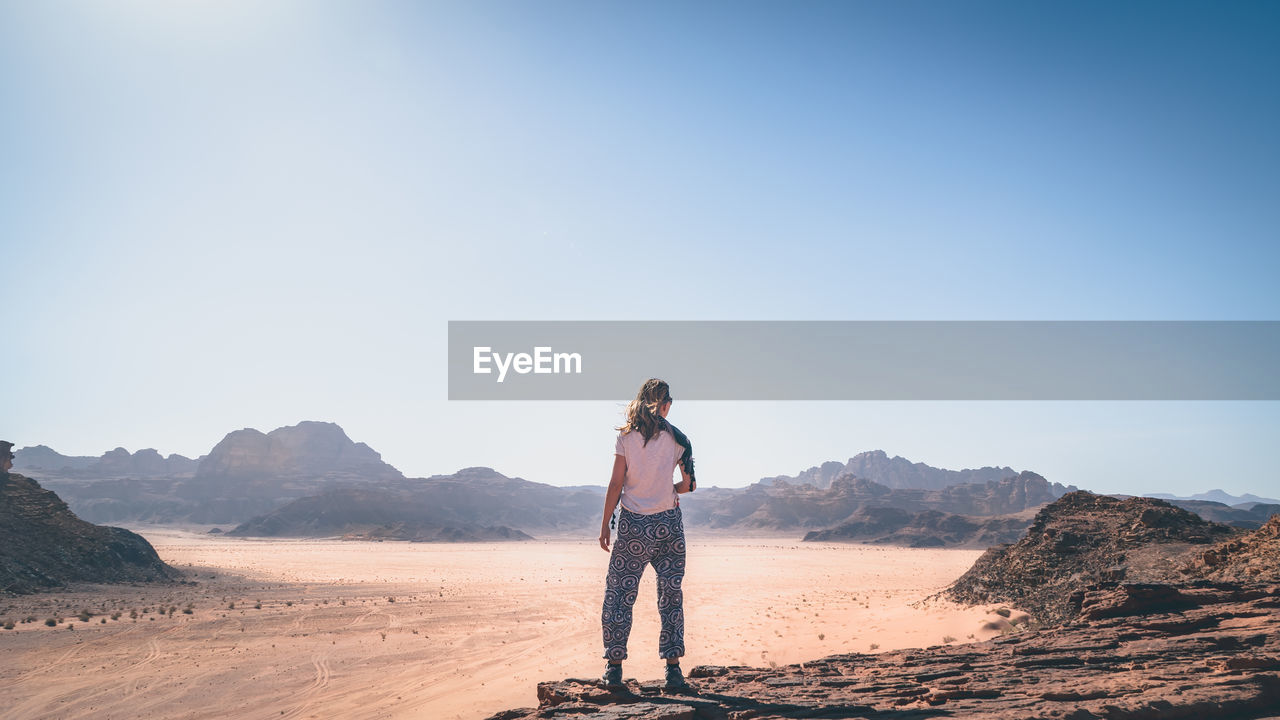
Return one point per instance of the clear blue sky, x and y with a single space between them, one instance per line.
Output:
217 215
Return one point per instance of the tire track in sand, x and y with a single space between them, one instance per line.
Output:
321 664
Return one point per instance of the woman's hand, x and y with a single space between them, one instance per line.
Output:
604 538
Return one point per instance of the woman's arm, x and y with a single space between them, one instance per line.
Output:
684 485
611 497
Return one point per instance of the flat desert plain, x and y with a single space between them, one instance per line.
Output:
346 629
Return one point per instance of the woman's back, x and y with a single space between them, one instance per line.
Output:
650 466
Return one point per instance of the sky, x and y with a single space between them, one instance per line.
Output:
217 215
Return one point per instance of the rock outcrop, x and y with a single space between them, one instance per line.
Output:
1250 558
44 545
1210 651
1081 540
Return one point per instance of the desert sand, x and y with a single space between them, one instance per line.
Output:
344 629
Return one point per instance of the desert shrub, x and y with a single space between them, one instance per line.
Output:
875 646
8 624
231 605
84 616
257 605
1004 612
50 622
947 639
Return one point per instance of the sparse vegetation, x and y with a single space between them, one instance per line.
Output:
8 624
50 622
84 616
822 636
947 639
875 646
1004 612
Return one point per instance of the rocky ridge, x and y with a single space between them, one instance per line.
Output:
1150 652
44 545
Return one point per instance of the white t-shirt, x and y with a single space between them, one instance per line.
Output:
648 487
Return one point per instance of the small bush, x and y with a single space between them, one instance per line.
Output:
231 606
875 646
1004 612
188 611
947 639
84 616
257 605
133 614
8 624
50 622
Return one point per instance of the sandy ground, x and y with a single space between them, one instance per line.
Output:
340 629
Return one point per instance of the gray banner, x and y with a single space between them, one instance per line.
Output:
867 360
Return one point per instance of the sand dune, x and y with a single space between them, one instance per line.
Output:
397 630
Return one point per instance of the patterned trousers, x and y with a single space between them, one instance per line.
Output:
656 540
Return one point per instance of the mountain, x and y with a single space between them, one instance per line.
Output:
44 545
1218 496
893 472
247 473
308 449
781 505
479 502
1081 540
928 528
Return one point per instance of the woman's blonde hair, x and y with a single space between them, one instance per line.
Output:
642 413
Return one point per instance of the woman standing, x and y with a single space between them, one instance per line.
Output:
650 529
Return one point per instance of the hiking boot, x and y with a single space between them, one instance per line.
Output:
613 676
675 679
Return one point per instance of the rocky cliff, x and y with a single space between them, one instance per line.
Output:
44 545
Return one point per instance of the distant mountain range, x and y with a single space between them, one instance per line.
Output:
311 479
1218 496
893 472
119 462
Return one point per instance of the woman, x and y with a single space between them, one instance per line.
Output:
650 529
